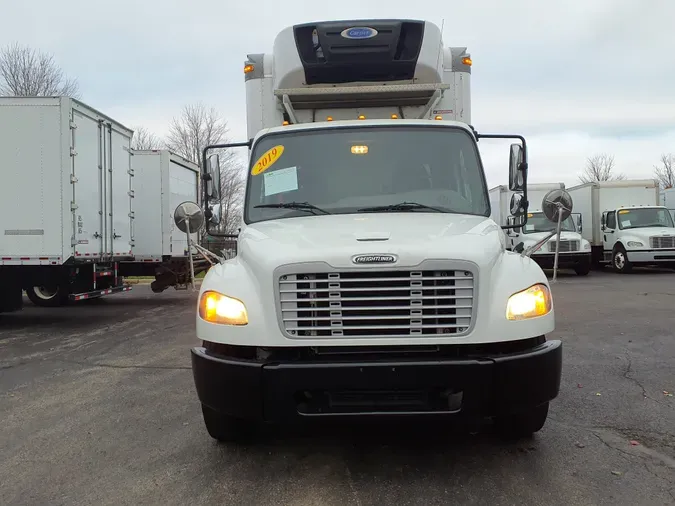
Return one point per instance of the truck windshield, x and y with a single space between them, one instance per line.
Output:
644 217
538 222
365 169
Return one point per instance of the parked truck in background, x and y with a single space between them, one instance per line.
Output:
76 217
625 224
369 279
162 181
574 251
65 169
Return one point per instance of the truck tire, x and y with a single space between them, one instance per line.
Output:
582 269
47 296
225 428
522 424
620 261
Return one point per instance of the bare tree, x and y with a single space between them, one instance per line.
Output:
145 139
196 128
27 72
665 173
600 168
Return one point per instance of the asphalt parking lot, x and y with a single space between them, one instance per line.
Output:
97 406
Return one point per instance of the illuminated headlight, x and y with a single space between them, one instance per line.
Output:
215 307
635 244
530 303
587 245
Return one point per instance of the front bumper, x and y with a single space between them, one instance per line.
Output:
547 260
653 256
477 386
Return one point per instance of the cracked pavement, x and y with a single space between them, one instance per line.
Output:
97 406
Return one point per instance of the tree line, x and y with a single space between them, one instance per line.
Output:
26 72
601 167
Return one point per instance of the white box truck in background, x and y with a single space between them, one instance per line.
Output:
77 214
574 251
625 224
65 201
369 278
162 181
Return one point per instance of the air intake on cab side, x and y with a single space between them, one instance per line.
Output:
351 51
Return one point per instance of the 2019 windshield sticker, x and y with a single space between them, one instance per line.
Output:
267 159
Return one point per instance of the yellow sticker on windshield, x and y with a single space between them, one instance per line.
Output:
624 211
267 160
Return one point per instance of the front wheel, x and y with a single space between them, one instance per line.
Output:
620 260
225 428
522 424
48 296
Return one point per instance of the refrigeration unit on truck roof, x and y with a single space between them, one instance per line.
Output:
67 190
330 71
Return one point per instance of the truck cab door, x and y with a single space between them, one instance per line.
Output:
609 234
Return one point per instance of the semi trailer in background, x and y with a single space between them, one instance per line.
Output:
625 223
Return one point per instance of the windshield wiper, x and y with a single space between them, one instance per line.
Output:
302 206
402 206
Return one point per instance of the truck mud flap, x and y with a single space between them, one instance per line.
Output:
95 294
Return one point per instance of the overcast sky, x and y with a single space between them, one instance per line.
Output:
575 77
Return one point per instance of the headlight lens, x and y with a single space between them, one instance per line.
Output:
587 245
530 303
215 307
635 244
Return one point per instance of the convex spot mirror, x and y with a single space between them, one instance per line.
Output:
557 203
213 171
517 167
188 214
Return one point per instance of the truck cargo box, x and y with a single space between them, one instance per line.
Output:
67 189
162 181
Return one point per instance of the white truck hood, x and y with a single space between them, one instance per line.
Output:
335 239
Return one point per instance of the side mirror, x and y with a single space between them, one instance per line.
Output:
214 217
517 167
213 183
580 224
516 207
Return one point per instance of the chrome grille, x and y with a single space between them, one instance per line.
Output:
659 242
566 245
371 303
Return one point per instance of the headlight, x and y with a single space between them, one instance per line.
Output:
635 244
530 303
587 245
215 307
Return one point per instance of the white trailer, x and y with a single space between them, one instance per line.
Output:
625 223
162 181
369 278
66 207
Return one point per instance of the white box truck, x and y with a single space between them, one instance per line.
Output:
369 279
625 224
65 201
574 251
162 181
